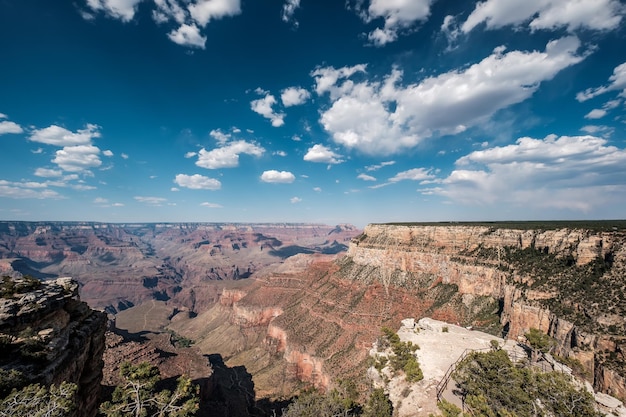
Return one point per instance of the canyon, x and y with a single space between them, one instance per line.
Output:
291 306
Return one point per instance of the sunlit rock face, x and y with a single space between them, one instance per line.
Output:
50 336
566 281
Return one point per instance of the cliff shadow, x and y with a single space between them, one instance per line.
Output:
232 390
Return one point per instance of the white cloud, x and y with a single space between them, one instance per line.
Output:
317 189
263 106
326 79
546 14
203 11
197 182
7 126
78 158
595 114
211 205
108 153
117 9
169 9
592 129
190 154
220 136
188 35
385 118
295 200
415 174
124 156
152 201
100 200
289 8
273 176
322 154
280 153
379 166
48 173
398 15
366 177
227 156
20 190
576 173
59 136
617 81
294 96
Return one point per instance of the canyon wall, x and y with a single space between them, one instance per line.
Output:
50 336
566 282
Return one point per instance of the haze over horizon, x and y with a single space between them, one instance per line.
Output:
312 111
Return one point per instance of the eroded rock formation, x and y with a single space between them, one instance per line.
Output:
314 319
566 282
50 336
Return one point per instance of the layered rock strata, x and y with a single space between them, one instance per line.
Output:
49 336
566 282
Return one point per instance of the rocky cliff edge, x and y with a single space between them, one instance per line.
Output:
49 336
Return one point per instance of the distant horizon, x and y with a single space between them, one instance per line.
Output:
305 111
542 222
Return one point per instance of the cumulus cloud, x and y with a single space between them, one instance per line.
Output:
227 156
366 177
190 154
197 182
295 200
273 176
546 14
263 106
48 173
326 79
108 153
384 117
322 154
289 8
78 158
188 35
151 201
211 205
123 10
203 11
7 126
27 189
220 136
376 167
169 9
189 15
567 172
59 136
294 96
415 174
617 81
398 15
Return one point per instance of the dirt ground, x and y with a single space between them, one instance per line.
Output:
441 344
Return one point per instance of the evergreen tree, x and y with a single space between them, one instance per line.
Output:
137 395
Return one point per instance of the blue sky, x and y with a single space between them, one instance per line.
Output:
312 110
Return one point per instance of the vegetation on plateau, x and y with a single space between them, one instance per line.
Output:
138 396
10 287
402 357
340 402
39 401
492 386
